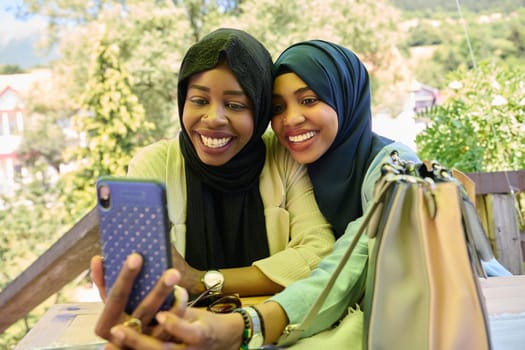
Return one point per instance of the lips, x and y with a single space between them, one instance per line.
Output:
298 138
215 142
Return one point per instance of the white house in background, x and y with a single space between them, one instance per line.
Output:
407 124
13 116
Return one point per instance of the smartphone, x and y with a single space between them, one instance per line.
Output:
133 218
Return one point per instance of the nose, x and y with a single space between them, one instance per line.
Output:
292 116
215 114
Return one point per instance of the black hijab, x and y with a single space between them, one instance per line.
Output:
225 215
341 80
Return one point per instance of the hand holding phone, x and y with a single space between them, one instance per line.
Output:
133 219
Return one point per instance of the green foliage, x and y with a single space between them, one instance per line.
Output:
451 6
113 124
424 34
152 38
11 69
31 220
497 38
481 126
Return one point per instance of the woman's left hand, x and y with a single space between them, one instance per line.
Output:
196 330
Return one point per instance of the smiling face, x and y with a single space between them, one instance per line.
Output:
303 123
218 115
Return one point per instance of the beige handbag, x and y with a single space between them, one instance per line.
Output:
422 284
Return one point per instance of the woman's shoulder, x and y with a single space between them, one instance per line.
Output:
274 149
155 157
404 151
373 172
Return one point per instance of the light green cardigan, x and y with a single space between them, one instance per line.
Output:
298 234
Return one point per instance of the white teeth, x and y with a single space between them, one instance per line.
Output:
214 142
302 137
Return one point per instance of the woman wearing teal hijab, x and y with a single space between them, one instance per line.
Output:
339 79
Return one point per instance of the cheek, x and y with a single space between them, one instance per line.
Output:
185 122
276 126
331 125
246 126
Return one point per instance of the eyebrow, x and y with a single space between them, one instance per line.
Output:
227 92
301 90
297 92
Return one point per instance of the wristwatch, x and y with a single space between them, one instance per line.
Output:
213 280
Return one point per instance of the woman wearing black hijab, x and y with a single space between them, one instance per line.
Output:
237 201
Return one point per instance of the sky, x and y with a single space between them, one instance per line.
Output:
18 37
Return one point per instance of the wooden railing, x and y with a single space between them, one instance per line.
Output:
498 210
70 255
59 265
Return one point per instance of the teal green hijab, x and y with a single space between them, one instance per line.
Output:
341 80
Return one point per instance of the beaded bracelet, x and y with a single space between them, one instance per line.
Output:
261 320
247 332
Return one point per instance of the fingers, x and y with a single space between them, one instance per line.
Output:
181 301
97 275
186 329
126 337
179 308
117 298
148 307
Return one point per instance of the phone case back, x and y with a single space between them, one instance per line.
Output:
135 221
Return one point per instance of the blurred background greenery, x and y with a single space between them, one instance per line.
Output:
114 85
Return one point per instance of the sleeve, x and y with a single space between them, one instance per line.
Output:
159 161
150 162
309 236
350 286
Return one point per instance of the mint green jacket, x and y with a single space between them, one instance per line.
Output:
349 287
298 234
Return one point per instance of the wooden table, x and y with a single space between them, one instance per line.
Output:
71 325
504 294
505 302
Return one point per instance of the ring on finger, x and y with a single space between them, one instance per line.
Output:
133 323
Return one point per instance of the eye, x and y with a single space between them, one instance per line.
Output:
235 106
309 100
277 109
199 101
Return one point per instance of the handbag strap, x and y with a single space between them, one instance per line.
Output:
293 332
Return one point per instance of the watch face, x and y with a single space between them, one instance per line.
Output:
213 279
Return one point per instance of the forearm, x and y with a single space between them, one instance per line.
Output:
248 281
275 320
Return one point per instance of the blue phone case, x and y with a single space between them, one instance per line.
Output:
134 219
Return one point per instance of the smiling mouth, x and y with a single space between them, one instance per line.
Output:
215 142
303 137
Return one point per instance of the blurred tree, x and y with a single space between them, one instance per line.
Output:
11 69
367 27
152 39
31 220
113 123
